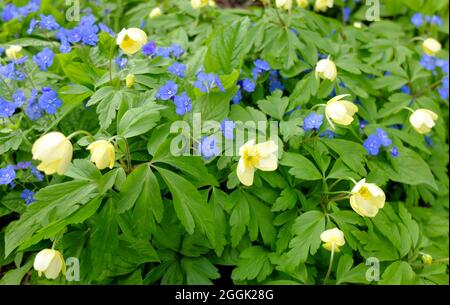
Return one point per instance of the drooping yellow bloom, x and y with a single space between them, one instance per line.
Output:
261 156
340 111
326 69
13 52
323 5
333 239
129 80
131 40
303 3
55 152
102 154
422 120
431 46
50 262
367 198
196 4
284 4
156 12
357 24
427 259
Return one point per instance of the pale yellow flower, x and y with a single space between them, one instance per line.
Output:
131 40
333 239
102 154
431 46
196 4
427 259
284 4
156 12
326 69
323 5
49 262
340 111
129 80
55 152
367 198
13 52
422 120
302 3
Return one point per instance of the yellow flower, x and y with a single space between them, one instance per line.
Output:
261 156
367 198
431 46
284 4
333 239
326 69
323 5
50 262
196 4
131 40
427 259
340 111
302 3
357 24
212 3
422 120
129 80
13 52
156 12
55 152
102 154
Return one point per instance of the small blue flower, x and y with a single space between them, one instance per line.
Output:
1 51
36 173
383 137
428 140
177 69
32 26
274 81
372 145
9 71
49 101
434 20
104 28
167 91
405 89
75 35
327 134
23 165
9 12
260 67
28 196
208 147
19 98
248 85
163 52
313 121
428 62
207 81
48 22
44 59
176 50
346 11
149 48
362 123
227 128
7 175
33 111
443 64
417 20
182 103
7 109
237 97
121 61
394 151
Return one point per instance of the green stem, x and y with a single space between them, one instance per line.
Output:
330 265
79 132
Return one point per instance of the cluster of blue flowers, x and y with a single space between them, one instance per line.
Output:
13 69
169 92
261 66
177 69
418 20
312 121
44 59
431 63
175 50
207 81
274 81
208 147
10 11
379 139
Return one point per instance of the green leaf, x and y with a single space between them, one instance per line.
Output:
106 109
353 154
398 273
199 271
15 276
82 169
301 167
130 191
254 263
139 120
274 105
346 274
287 200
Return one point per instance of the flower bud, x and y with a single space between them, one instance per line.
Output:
367 198
131 40
357 24
156 12
333 239
50 262
13 52
284 4
431 46
427 259
326 69
102 154
129 80
55 152
323 5
422 120
302 3
196 4
340 111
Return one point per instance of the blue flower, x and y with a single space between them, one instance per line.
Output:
313 121
428 62
372 145
428 140
207 81
208 147
167 91
1 51
19 98
443 90
9 71
49 101
121 61
163 52
22 165
177 69
383 137
362 123
394 151
443 64
405 89
7 109
7 175
182 103
417 20
44 59
32 26
274 82
104 28
36 173
346 11
248 85
176 50
74 35
9 12
227 128
149 48
260 67
48 22
434 20
237 97
33 111
327 134
28 196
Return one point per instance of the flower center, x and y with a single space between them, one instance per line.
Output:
364 192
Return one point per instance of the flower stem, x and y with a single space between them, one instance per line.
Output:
330 265
79 132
